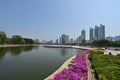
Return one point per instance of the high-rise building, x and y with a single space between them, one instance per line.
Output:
64 39
102 32
83 35
71 41
91 37
96 32
57 42
67 39
99 32
78 40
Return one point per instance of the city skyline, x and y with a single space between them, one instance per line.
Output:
47 20
96 33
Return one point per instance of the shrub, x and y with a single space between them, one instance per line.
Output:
106 67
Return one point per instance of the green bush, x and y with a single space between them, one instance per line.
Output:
107 67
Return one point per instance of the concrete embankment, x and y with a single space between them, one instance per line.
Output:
68 46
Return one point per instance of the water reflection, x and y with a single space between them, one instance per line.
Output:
63 51
15 50
3 51
66 51
35 63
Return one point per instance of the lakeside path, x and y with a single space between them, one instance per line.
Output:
113 52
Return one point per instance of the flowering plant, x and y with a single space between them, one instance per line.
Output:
77 71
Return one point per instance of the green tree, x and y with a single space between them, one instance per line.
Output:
101 43
3 37
8 41
28 41
17 39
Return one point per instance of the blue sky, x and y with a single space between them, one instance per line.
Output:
48 19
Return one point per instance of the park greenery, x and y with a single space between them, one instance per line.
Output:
16 39
106 67
105 43
99 43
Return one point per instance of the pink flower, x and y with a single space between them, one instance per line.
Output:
78 70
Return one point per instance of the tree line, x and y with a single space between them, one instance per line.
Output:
99 43
105 43
16 39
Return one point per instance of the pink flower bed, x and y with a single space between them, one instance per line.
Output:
77 71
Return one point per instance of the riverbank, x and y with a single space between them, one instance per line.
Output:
16 45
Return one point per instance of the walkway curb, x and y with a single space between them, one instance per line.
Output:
91 73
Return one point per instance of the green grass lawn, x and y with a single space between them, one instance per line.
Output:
107 67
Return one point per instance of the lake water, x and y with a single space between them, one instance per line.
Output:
32 62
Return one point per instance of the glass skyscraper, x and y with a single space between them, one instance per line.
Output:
83 35
99 32
91 37
102 32
96 32
64 39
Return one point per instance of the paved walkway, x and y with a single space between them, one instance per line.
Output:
112 52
